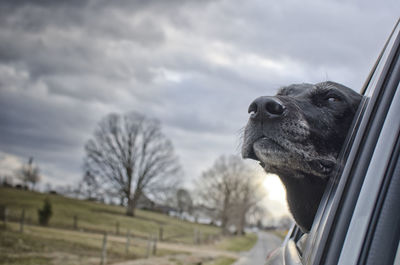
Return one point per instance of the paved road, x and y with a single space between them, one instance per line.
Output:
256 256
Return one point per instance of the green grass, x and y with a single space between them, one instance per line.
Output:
32 260
61 244
28 248
97 217
39 243
221 261
238 243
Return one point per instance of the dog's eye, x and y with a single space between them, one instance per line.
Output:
332 99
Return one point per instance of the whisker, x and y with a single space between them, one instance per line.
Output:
240 140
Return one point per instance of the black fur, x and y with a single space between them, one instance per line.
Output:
297 135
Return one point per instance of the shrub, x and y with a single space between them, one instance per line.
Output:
45 213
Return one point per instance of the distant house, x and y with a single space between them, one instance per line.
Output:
203 215
145 203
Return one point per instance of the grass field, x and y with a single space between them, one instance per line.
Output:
57 246
60 243
97 217
238 243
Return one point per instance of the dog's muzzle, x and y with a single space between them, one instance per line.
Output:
262 110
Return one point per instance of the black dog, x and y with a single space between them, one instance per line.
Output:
297 135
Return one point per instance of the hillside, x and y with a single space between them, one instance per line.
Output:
63 243
98 217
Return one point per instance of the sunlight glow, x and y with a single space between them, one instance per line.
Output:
274 187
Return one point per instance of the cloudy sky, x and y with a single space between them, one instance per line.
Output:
195 65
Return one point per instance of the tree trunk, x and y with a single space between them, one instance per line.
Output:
224 225
242 223
225 212
130 209
132 202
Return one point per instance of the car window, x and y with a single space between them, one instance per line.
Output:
371 94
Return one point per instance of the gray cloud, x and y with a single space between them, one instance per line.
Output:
195 65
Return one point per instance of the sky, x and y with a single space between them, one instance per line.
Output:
194 65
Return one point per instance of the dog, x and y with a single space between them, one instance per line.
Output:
298 134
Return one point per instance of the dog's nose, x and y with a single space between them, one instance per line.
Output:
264 108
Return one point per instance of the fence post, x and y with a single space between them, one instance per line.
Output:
128 242
196 236
200 237
22 221
104 250
154 245
148 246
75 222
160 233
4 215
28 220
117 228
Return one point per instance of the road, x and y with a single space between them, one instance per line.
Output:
256 256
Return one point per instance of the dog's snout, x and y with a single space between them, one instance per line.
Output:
264 108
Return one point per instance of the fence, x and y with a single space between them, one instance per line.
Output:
23 217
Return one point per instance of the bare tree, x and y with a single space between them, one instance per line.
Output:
29 174
229 188
131 155
249 193
184 201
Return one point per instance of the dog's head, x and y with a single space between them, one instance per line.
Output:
298 133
